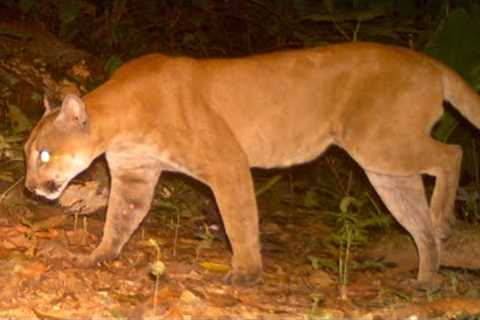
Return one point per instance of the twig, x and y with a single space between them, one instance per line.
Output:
357 28
277 15
355 15
2 197
268 185
342 32
337 177
177 225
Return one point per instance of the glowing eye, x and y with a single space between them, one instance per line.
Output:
44 156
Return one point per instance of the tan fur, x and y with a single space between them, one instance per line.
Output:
214 119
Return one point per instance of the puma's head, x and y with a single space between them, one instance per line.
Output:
59 148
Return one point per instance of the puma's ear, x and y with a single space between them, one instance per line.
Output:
73 112
46 104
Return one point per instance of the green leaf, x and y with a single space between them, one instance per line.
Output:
322 263
112 64
444 127
25 5
19 121
347 202
312 199
69 11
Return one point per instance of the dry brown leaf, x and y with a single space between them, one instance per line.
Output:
188 297
51 222
49 234
81 71
15 242
68 87
30 270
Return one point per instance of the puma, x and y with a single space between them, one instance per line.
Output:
213 119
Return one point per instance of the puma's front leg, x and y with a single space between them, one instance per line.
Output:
132 186
232 186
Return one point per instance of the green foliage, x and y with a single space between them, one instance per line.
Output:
460 52
469 198
112 64
157 269
317 300
352 225
206 240
19 121
68 11
354 220
323 263
25 5
119 29
218 28
445 127
457 43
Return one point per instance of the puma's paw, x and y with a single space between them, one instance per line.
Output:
433 284
244 278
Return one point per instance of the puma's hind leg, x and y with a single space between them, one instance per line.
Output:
405 198
412 157
396 141
447 175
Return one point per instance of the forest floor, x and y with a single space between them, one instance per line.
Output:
38 283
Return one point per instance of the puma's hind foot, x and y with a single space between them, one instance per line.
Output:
244 278
88 260
432 284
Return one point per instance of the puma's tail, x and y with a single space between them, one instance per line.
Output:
461 95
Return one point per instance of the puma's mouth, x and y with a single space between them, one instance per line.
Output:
51 189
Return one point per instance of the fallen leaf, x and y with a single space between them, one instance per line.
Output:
31 270
213 266
188 297
49 223
320 279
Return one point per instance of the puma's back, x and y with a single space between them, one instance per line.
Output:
285 108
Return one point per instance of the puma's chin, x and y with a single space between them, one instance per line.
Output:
51 194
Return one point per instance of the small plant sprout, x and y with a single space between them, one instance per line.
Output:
206 241
157 269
